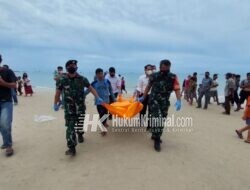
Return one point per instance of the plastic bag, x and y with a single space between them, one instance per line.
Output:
125 108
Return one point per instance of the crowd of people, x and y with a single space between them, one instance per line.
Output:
106 88
236 91
21 84
153 91
10 87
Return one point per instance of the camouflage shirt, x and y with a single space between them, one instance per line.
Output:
73 88
163 84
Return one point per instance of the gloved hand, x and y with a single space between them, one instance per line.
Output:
99 101
56 107
178 105
141 99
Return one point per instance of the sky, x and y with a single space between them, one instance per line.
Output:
195 35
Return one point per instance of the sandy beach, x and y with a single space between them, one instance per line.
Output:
209 156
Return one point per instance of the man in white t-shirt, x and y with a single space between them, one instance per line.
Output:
229 93
214 89
140 88
115 81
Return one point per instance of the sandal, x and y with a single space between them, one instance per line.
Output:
239 134
246 141
9 151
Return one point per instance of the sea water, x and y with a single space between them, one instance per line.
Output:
44 79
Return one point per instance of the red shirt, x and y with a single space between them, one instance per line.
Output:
247 109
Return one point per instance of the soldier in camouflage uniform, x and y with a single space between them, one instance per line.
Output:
72 86
58 74
161 84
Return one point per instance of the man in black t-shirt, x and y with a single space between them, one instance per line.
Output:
7 82
245 91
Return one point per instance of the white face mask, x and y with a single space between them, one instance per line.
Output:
149 72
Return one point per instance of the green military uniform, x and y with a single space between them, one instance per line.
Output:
74 100
59 76
162 87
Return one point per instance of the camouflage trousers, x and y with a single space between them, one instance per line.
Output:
158 112
74 124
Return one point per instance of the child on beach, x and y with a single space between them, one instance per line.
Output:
27 85
245 117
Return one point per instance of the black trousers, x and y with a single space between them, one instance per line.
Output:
243 96
207 97
227 104
144 109
102 111
236 98
145 105
111 100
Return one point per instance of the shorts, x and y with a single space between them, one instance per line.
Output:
248 121
213 93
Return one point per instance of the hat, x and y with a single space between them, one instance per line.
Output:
70 62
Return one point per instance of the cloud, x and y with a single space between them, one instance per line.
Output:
127 31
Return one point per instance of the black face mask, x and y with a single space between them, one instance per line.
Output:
72 70
165 72
112 75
